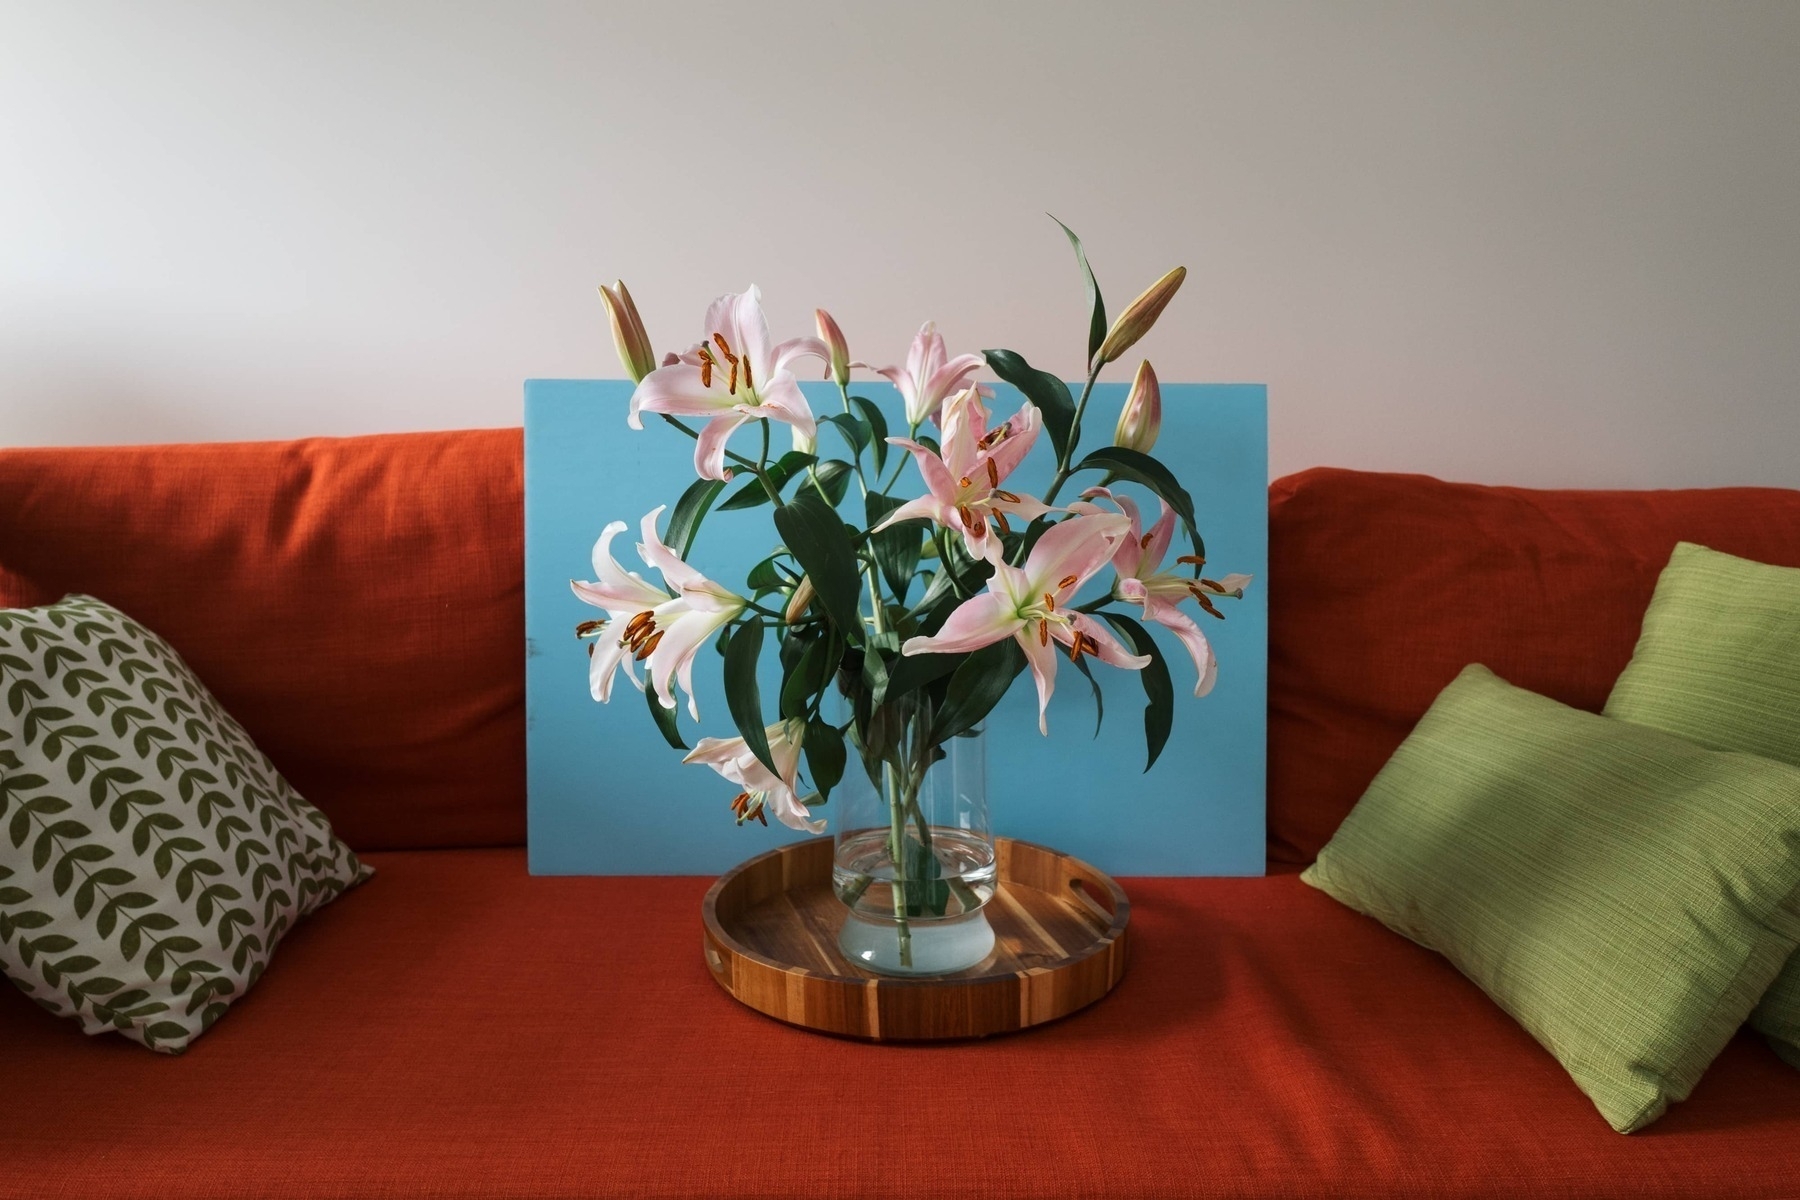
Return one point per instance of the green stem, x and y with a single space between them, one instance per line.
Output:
897 852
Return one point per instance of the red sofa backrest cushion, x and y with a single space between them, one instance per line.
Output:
356 603
1382 587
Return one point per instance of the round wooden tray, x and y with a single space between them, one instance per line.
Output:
771 928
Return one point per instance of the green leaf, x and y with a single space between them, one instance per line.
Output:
975 687
665 719
912 671
1096 306
834 479
855 431
1159 712
811 675
1050 394
742 695
878 429
1081 664
1142 468
815 535
825 755
780 471
896 548
766 576
690 510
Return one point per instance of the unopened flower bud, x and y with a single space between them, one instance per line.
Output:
833 337
1141 419
800 601
1140 315
628 331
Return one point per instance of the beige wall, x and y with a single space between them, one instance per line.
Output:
1545 243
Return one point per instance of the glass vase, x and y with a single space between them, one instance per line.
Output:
914 859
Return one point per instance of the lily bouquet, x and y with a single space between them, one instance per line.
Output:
900 627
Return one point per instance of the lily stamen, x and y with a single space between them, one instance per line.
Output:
589 628
993 470
1000 522
649 645
1195 559
1005 497
1068 581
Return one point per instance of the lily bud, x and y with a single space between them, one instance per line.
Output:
1140 315
1141 420
628 333
800 601
833 337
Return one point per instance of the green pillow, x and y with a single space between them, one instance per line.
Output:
1624 894
1719 663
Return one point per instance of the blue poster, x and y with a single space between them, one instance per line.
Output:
608 796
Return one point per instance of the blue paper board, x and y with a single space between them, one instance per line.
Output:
607 796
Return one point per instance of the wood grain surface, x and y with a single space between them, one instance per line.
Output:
770 939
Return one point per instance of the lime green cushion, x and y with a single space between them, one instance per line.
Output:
1719 663
1625 894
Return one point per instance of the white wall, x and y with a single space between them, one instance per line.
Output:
1544 243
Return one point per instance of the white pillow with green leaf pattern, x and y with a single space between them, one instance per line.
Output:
151 856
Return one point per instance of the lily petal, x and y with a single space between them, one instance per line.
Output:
980 621
1041 659
709 450
1206 664
677 390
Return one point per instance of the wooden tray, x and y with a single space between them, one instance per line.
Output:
771 927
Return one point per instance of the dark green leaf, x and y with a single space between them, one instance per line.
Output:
824 755
854 429
690 510
811 675
1096 306
1050 394
976 687
766 576
896 548
912 671
815 535
742 694
783 469
878 428
665 719
1159 712
834 479
1081 665
1142 468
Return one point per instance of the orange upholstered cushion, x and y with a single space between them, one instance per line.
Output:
1383 587
356 603
461 1029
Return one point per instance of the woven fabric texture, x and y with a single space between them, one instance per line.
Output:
1627 895
152 857
1267 1043
358 603
1719 663
1382 587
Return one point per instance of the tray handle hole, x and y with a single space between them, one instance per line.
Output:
1095 900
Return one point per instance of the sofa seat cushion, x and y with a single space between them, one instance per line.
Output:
466 1030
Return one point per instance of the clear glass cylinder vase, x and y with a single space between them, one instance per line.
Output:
914 863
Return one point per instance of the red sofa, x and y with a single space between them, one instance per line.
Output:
458 1028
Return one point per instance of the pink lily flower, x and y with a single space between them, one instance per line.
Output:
734 376
963 482
929 377
763 789
1140 582
1029 604
663 629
